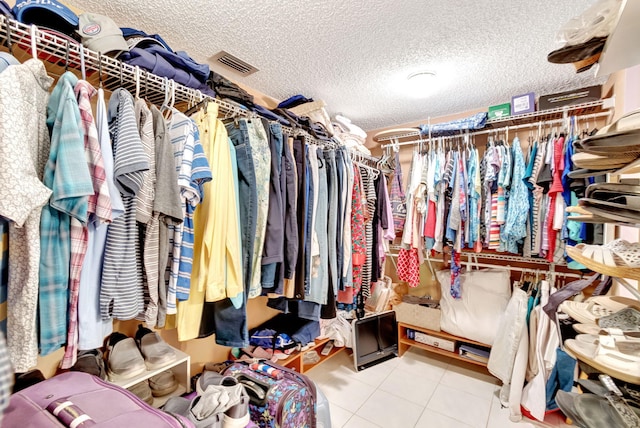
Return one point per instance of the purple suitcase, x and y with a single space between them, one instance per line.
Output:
287 402
81 400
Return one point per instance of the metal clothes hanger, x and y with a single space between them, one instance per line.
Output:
83 69
137 73
34 35
121 74
9 38
66 58
100 70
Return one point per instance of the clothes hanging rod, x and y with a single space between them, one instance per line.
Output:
543 123
471 264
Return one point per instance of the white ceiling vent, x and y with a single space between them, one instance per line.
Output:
234 63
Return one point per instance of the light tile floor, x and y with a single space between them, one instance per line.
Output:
420 390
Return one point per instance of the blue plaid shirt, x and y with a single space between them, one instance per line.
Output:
67 175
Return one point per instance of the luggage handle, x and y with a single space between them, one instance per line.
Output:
257 390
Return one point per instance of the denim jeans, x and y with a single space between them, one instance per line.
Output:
320 264
290 201
332 228
341 183
262 166
221 317
308 221
274 235
301 166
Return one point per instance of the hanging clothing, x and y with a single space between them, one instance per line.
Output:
121 291
518 210
24 94
167 211
67 174
262 165
92 329
217 268
98 210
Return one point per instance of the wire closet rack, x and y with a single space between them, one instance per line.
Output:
551 117
62 53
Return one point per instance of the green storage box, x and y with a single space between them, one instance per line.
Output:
500 111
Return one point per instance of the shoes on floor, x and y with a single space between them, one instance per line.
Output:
125 360
185 407
163 383
157 353
91 361
142 391
236 415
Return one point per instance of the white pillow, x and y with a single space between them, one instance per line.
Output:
475 316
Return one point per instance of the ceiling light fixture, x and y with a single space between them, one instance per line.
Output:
422 77
420 83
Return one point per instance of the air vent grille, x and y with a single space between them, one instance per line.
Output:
234 63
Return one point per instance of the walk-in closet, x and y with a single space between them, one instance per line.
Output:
319 214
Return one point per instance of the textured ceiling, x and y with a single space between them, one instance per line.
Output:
356 55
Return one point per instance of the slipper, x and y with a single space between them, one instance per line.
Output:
626 320
608 359
602 162
589 311
621 136
618 258
604 191
623 217
586 173
599 412
588 328
565 401
574 53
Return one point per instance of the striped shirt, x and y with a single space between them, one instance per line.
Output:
193 171
99 209
121 292
148 223
67 174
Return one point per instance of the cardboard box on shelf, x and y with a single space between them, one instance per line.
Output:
578 96
499 111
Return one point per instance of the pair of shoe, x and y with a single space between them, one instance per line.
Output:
222 402
129 358
91 361
156 386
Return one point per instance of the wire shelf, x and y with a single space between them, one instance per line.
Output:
551 116
63 53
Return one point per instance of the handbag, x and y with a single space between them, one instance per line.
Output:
398 198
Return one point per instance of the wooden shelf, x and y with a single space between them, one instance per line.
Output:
296 360
404 343
181 369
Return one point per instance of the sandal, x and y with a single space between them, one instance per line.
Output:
627 320
589 311
618 258
614 355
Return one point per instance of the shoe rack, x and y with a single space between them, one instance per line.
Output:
296 360
181 368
